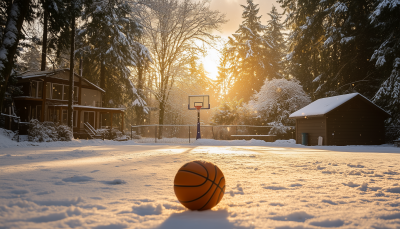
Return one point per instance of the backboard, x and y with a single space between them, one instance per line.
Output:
198 100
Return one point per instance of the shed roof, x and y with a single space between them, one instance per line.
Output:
323 106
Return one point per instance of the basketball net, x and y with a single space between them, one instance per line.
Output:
198 108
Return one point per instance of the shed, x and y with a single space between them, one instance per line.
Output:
349 119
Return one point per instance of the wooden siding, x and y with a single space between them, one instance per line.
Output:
357 122
90 97
315 127
64 75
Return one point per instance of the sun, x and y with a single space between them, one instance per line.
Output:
210 63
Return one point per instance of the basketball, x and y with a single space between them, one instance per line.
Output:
199 185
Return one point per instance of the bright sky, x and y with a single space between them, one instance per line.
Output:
233 12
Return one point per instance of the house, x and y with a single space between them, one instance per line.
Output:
349 119
45 97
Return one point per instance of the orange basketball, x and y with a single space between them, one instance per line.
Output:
199 185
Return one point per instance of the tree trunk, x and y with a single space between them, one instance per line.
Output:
138 109
102 77
161 119
10 42
71 75
44 45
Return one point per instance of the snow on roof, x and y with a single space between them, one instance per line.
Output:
325 105
91 107
33 74
36 73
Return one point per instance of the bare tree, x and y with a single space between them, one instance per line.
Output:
174 31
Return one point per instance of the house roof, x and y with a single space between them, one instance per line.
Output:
34 74
93 108
323 106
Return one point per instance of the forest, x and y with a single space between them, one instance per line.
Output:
146 55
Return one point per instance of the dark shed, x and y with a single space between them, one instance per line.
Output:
349 119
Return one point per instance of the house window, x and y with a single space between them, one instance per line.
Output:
64 117
60 92
75 117
48 90
75 93
33 112
57 91
66 92
88 116
38 112
36 89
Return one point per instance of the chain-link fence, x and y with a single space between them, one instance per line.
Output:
182 134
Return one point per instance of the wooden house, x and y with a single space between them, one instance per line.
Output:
45 97
349 119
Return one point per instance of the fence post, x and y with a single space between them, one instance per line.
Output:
292 132
189 133
155 134
18 129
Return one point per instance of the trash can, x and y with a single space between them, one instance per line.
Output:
304 140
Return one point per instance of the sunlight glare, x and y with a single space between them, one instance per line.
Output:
210 63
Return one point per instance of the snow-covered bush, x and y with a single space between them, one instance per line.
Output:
64 133
232 112
277 99
221 133
48 132
113 134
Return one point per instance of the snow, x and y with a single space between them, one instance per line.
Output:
107 184
323 106
340 7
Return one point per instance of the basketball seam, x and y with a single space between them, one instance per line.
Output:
218 200
188 186
215 177
178 185
206 181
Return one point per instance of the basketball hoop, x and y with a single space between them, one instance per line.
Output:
198 108
198 102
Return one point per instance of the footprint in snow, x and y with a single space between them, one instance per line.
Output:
78 179
114 182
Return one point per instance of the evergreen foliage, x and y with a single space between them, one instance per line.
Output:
275 37
48 132
247 52
386 56
228 112
109 46
254 53
331 43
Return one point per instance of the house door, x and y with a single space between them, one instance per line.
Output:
88 116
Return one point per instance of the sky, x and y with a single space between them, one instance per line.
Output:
233 12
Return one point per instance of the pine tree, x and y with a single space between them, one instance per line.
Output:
387 59
331 44
55 28
109 37
275 37
247 51
16 13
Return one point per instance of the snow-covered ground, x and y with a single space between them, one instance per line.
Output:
96 184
